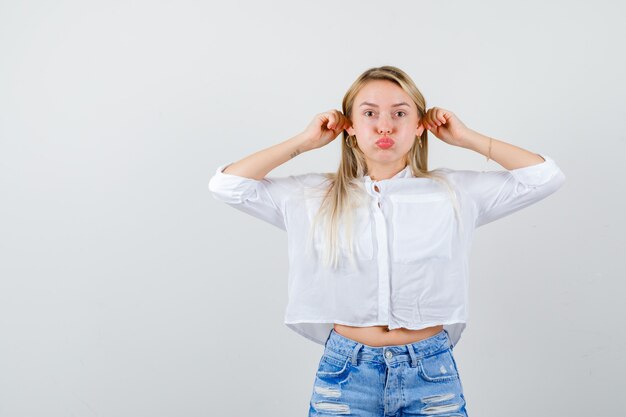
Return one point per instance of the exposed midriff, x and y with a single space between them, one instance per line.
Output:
382 336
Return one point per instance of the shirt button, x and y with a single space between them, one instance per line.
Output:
388 354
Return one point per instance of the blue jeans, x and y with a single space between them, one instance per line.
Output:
416 379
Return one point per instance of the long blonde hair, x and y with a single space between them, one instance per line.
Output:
345 192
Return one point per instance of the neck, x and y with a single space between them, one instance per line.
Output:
384 172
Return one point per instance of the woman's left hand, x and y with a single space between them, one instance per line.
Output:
446 126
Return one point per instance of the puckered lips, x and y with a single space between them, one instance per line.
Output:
385 142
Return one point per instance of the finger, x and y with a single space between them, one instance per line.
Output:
346 123
331 121
341 121
325 120
424 120
430 124
425 123
338 120
441 117
431 118
436 115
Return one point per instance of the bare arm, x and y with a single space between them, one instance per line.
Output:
446 126
505 154
259 164
322 130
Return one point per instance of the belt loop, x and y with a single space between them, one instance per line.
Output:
449 339
330 333
412 354
355 352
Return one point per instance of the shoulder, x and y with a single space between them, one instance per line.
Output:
457 177
445 171
299 185
312 179
449 175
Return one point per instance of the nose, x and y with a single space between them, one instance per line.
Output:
384 125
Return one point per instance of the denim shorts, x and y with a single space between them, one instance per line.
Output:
416 379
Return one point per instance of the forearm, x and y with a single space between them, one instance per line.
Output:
259 164
505 154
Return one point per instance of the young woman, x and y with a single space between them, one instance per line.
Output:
378 251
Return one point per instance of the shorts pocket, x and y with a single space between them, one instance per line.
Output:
439 367
333 365
422 226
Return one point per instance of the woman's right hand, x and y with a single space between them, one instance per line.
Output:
325 127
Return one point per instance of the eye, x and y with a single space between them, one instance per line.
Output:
369 111
401 112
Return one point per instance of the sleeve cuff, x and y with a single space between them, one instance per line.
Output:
230 188
538 174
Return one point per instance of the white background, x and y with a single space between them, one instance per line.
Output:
126 290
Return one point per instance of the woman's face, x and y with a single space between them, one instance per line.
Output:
382 109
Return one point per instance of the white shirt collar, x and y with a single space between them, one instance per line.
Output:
405 173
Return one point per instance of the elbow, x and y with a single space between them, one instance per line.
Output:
219 192
229 191
552 185
559 179
213 186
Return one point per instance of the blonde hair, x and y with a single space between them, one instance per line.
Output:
344 192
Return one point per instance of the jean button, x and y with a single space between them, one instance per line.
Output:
388 354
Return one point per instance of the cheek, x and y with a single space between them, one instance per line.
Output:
409 142
363 123
360 129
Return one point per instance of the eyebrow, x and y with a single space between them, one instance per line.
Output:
365 103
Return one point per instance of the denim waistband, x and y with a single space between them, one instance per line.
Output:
345 347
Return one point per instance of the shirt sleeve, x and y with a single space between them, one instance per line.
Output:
499 193
263 199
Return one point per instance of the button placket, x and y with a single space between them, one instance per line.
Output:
379 222
377 191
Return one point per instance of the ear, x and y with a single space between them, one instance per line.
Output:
420 129
350 131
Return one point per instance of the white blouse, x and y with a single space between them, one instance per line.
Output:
411 248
